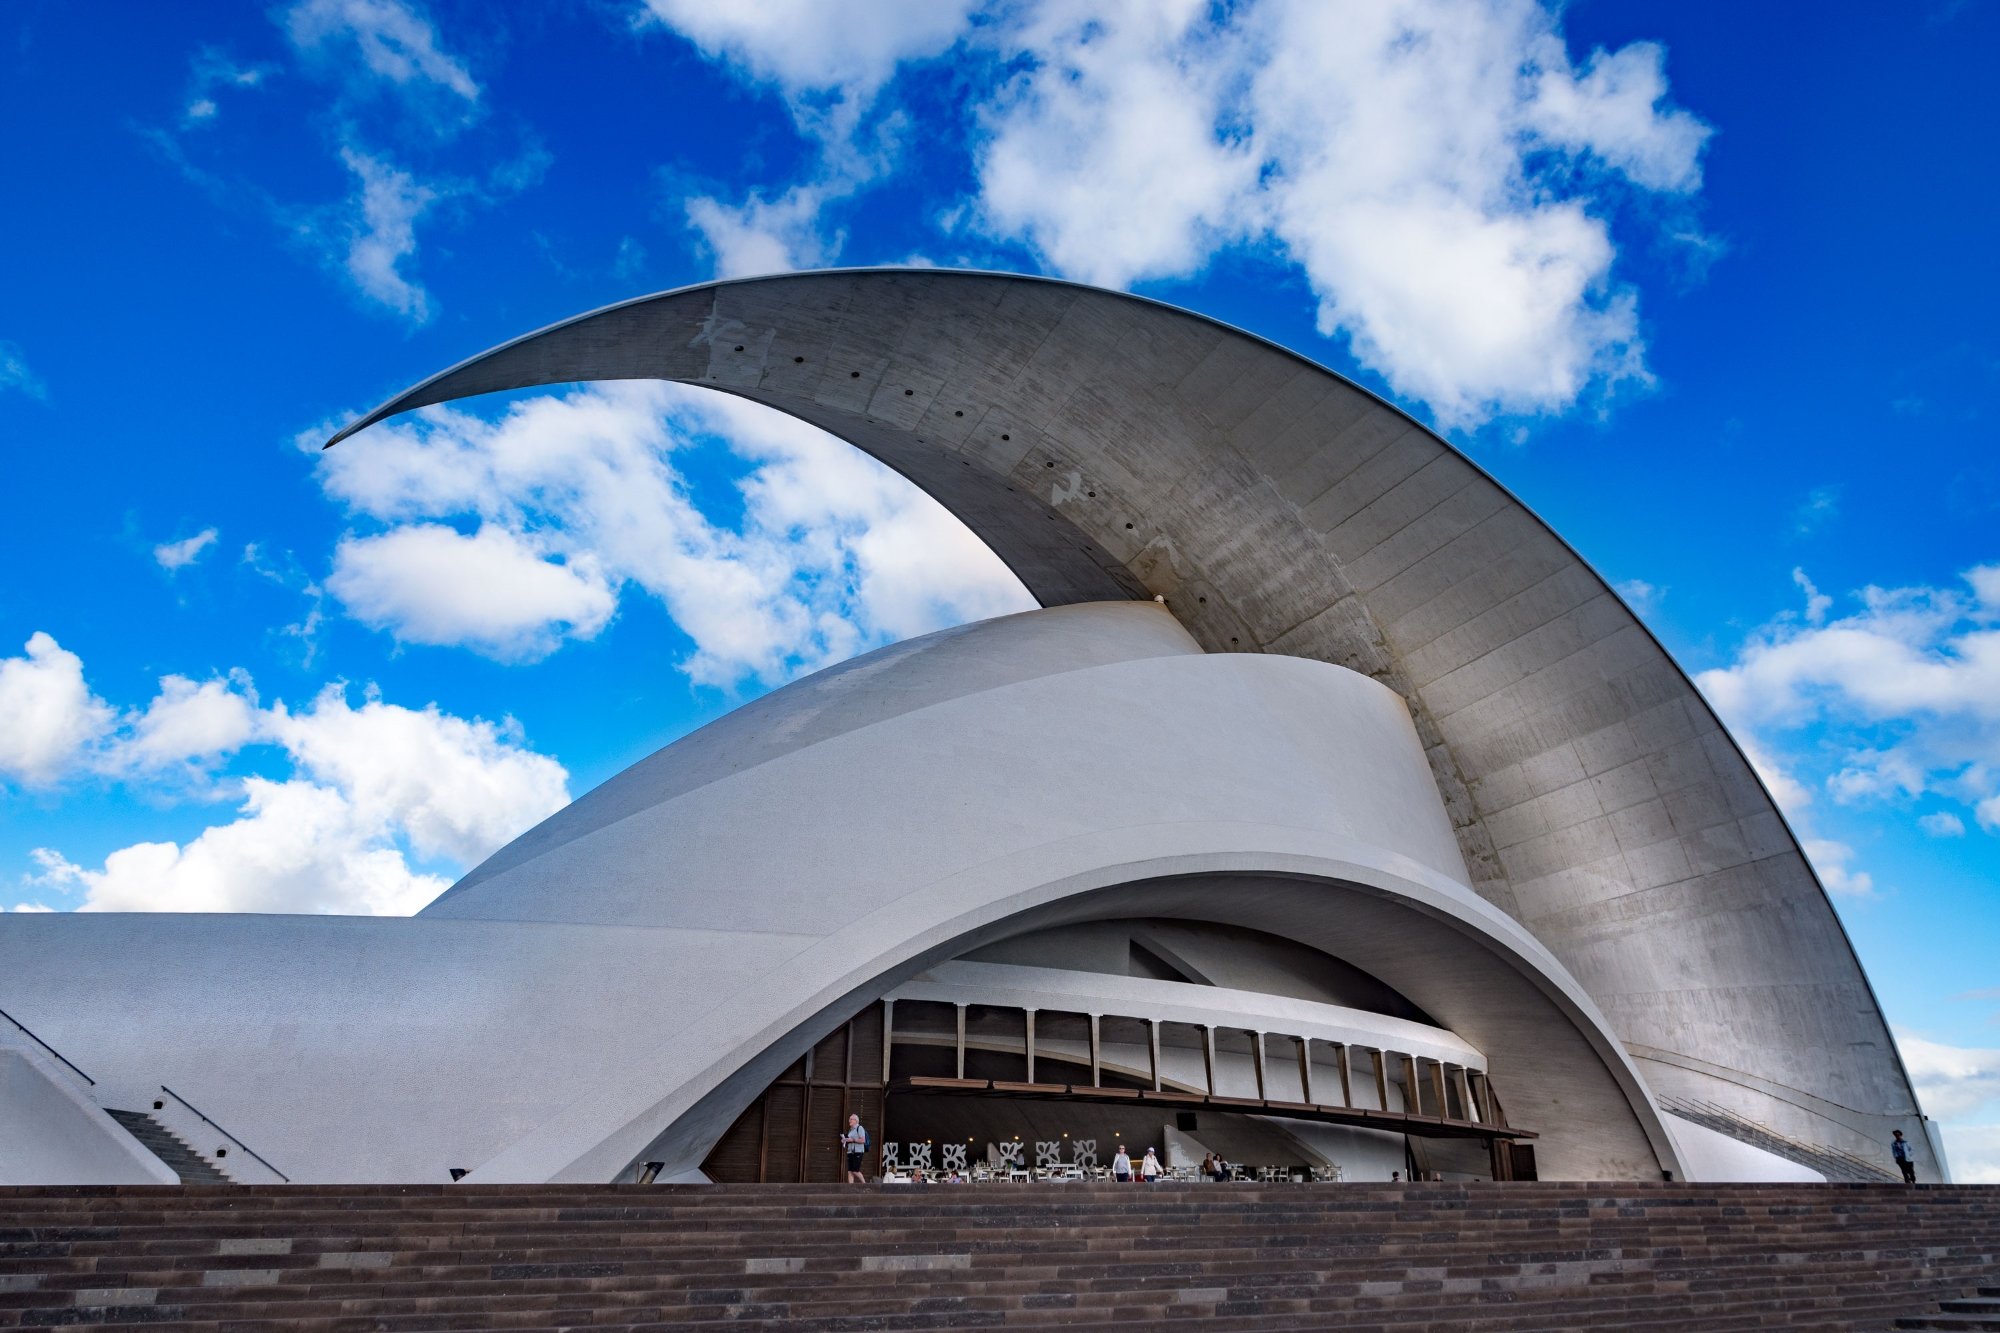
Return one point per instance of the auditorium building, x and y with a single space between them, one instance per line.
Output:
1331 814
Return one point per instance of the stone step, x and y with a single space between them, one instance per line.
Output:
1670 1259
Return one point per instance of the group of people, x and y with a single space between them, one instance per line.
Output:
1123 1171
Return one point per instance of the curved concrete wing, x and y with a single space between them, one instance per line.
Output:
1107 446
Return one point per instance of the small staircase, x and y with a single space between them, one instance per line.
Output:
1980 1310
163 1143
1837 1166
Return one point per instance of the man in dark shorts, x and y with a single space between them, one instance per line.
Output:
854 1143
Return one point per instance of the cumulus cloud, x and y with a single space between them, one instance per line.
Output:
1104 155
828 57
376 796
187 725
373 804
179 555
1442 175
764 235
832 552
48 716
492 591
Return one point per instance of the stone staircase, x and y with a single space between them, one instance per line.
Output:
1980 1310
1447 1258
171 1148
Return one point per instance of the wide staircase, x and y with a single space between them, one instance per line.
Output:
1441 1257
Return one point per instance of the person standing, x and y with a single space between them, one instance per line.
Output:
1906 1157
1121 1166
854 1143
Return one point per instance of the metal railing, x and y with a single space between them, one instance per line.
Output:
226 1134
45 1046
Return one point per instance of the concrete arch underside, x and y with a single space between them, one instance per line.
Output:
1480 976
1108 447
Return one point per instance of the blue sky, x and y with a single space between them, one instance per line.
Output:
1710 288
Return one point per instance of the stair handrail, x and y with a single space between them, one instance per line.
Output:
45 1046
226 1134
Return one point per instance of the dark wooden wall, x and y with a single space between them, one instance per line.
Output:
792 1131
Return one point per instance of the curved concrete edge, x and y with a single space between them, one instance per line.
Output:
604 1132
51 1133
1510 780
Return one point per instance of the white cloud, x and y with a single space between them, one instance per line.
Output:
371 788
180 554
1103 155
1959 1087
391 39
827 56
1898 700
1640 595
491 591
15 375
1389 149
297 847
1942 824
384 236
30 907
1953 1081
378 800
187 724
765 235
1817 602
832 552
48 716
455 788
1442 174
1831 859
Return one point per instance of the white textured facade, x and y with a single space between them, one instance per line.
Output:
1303 674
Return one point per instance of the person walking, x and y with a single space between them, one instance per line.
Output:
1121 1166
854 1143
1906 1157
1149 1169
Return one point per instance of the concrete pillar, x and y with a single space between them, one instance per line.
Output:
1153 1049
888 1041
1257 1050
1028 1028
1096 1068
961 1041
1208 1057
1305 1068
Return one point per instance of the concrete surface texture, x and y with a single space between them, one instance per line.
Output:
1107 446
